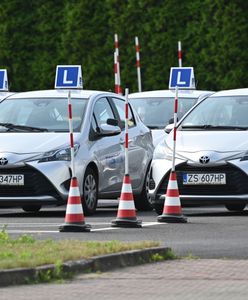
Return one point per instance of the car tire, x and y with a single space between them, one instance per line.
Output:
141 201
90 192
236 207
31 208
159 208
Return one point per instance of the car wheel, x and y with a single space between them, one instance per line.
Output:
236 207
31 208
142 201
159 208
90 192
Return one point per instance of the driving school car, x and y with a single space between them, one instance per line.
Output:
211 160
35 162
155 108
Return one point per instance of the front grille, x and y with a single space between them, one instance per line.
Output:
236 181
35 184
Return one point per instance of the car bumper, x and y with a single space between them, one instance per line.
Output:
235 190
44 184
188 200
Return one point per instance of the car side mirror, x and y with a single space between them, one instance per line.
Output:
168 128
108 130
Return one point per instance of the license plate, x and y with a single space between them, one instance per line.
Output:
16 179
204 178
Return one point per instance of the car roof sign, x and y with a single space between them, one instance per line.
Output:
68 77
182 77
3 80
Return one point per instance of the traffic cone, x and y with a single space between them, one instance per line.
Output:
172 212
74 218
126 215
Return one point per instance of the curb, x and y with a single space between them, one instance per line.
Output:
98 263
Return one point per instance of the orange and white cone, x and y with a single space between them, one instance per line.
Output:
74 218
126 215
172 212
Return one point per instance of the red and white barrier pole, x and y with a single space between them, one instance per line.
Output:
116 73
118 63
175 130
126 133
179 54
137 48
71 134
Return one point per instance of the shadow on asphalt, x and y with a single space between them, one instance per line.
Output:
216 214
58 212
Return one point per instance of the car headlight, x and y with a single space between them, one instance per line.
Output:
59 154
162 151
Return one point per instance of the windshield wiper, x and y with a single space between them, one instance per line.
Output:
214 127
11 126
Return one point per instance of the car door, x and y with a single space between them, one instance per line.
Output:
138 159
108 150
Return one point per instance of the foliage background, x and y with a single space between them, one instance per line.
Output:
37 35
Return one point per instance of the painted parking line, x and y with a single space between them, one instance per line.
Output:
43 224
145 224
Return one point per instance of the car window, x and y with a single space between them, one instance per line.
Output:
120 106
220 111
156 112
49 113
103 111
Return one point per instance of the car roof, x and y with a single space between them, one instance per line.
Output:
5 94
234 92
170 93
57 93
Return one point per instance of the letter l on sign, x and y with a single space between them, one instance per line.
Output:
179 79
65 78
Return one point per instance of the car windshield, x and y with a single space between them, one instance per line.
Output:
230 112
156 112
40 114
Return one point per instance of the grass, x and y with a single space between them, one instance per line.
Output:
25 251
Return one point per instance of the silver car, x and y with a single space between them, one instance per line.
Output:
211 154
35 149
156 108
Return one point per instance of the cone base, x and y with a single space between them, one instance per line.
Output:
126 223
74 228
172 218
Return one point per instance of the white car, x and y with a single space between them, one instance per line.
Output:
211 159
156 108
5 94
35 167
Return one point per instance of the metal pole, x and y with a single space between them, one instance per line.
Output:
118 63
179 54
71 134
137 48
126 132
175 130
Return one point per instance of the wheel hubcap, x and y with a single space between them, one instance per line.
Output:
90 191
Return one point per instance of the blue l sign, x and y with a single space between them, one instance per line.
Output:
182 78
68 77
3 80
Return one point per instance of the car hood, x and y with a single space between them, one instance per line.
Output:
218 145
23 143
210 140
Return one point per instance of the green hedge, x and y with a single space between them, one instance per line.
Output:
37 35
